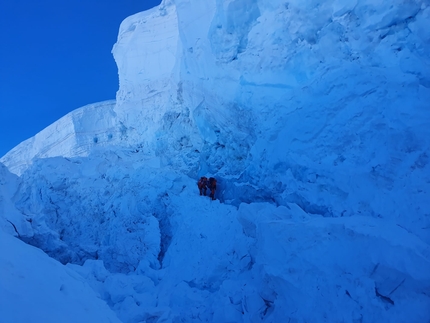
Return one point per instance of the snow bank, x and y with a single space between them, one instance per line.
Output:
36 288
154 249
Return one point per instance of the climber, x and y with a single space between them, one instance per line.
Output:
212 187
202 185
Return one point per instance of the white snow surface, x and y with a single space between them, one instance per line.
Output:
315 119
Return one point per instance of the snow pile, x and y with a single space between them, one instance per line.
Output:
155 250
34 287
314 119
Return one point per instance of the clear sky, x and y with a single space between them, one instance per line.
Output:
55 56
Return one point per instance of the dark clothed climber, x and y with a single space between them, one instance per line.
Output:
212 187
202 185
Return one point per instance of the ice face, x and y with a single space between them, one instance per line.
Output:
304 100
75 134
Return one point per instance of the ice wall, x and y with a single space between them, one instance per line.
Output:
75 134
147 52
320 104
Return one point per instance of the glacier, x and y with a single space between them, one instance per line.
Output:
314 118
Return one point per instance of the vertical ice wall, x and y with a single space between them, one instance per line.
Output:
147 52
310 102
76 134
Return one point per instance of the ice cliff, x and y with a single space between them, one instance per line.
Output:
314 116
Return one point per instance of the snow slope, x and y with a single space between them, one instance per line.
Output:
155 250
314 118
35 288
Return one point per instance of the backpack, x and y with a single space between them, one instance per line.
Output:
212 183
202 182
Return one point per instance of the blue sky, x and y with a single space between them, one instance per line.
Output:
55 56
